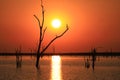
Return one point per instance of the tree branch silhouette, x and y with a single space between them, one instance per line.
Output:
44 33
55 39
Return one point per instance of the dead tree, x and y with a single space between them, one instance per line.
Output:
18 57
42 32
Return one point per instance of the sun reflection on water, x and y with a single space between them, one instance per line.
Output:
56 68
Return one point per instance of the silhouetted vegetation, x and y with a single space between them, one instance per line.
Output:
93 57
18 58
42 32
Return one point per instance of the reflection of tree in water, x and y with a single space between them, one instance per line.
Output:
87 61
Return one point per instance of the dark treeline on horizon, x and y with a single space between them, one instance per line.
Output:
65 54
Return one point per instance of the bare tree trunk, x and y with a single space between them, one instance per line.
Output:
41 37
37 62
38 55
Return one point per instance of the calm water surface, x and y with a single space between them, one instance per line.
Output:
60 68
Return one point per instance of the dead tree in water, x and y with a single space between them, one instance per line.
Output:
42 30
94 51
18 58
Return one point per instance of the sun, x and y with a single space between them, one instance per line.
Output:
56 23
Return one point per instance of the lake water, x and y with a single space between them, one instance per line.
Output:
60 68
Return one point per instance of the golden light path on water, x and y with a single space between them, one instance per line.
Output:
56 68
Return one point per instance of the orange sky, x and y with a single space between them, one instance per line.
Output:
92 23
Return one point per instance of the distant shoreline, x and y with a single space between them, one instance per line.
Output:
64 54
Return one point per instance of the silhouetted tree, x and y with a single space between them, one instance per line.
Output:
18 57
41 36
94 51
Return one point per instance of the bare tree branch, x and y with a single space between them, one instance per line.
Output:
55 39
37 20
42 16
44 33
40 27
42 13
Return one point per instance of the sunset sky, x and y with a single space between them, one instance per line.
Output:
92 23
